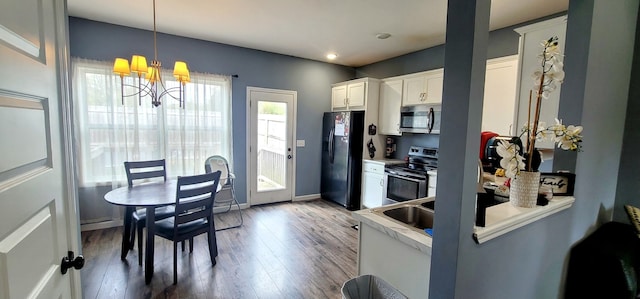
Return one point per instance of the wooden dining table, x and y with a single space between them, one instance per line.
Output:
149 196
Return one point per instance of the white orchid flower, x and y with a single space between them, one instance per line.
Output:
557 64
557 76
507 149
511 161
574 130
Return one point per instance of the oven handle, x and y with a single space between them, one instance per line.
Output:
402 177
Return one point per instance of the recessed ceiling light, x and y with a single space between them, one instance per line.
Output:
332 56
383 35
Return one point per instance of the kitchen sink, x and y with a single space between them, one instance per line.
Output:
411 215
431 205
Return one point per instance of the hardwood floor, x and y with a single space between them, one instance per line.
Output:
288 250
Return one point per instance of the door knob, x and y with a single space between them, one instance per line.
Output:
70 262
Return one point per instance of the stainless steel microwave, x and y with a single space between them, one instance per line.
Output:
421 119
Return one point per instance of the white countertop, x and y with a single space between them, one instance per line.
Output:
500 219
412 237
385 161
503 218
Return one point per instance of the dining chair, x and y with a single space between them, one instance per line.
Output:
193 215
150 170
227 194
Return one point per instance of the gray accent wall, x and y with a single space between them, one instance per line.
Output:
311 79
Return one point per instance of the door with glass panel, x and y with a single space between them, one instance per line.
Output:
271 152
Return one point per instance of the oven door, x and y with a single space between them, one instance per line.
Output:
401 187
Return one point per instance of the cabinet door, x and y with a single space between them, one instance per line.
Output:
530 39
434 84
413 90
339 97
498 109
356 95
433 179
372 189
390 103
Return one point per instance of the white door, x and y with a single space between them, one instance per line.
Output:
36 190
271 153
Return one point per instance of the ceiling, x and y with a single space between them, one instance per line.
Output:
308 28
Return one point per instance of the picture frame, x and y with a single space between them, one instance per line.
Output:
561 183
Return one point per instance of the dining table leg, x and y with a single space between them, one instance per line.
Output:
126 235
148 257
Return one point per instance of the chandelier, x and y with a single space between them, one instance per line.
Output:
151 75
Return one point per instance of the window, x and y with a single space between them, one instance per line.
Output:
108 132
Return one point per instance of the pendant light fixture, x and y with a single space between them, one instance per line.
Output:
151 75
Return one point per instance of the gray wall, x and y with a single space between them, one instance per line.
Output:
628 178
311 79
530 262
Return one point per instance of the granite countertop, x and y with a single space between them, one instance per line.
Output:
408 235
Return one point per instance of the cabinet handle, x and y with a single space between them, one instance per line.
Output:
382 183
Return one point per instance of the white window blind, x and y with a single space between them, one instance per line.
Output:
108 133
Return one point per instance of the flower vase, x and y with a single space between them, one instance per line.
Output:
524 189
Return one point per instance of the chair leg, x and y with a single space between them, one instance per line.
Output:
183 245
190 245
175 262
140 253
132 238
213 246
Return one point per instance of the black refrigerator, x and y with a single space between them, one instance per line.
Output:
342 139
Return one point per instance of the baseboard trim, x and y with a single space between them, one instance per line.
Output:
306 197
233 208
101 225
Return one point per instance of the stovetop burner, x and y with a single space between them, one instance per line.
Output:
421 160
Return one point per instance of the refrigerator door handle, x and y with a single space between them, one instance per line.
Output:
331 145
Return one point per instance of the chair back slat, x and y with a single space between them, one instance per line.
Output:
194 198
139 170
192 215
192 204
196 191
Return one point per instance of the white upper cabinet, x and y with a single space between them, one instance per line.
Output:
361 95
390 103
530 38
498 109
349 96
356 95
423 88
339 97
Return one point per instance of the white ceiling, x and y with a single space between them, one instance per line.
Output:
308 28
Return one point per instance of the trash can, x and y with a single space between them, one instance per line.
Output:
369 287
